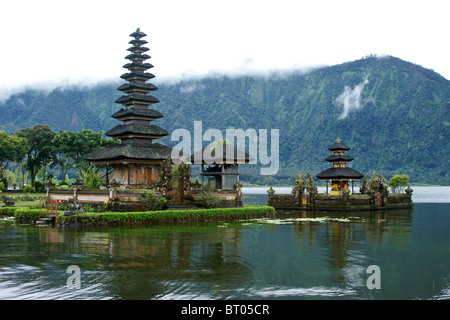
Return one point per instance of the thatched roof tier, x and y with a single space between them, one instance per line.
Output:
136 99
136 113
339 158
229 155
131 153
138 34
145 87
338 146
139 66
137 75
138 42
137 56
138 49
340 174
137 129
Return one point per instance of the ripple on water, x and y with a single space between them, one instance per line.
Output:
285 292
187 291
23 282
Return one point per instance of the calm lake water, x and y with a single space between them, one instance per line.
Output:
296 255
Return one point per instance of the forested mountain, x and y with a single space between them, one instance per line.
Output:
394 115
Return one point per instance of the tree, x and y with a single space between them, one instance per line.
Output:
398 182
61 147
71 147
12 149
40 148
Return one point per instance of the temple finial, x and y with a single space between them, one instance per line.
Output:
338 140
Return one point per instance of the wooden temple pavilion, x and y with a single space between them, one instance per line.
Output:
136 159
339 174
221 169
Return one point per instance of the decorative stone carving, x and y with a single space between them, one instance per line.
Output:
8 202
270 192
409 191
164 182
310 185
238 186
73 207
299 187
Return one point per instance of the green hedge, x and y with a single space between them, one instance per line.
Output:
21 212
7 211
107 218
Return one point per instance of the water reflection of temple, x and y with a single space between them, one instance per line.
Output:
164 260
141 263
342 235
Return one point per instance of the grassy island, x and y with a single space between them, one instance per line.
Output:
144 217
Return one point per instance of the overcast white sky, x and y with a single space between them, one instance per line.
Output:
67 41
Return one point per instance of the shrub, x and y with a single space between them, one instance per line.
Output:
62 205
398 182
153 200
64 187
67 181
28 188
88 208
7 211
39 186
208 200
90 177
27 213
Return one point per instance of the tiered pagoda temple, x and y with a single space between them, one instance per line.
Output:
136 159
339 174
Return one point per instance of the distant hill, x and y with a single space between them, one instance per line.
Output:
394 115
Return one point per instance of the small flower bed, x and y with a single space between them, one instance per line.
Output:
27 198
104 207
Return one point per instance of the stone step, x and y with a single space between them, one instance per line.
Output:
50 219
42 222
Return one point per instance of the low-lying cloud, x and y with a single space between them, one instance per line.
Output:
351 100
191 87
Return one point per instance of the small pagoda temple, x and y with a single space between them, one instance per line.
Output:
221 171
136 159
340 198
339 174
